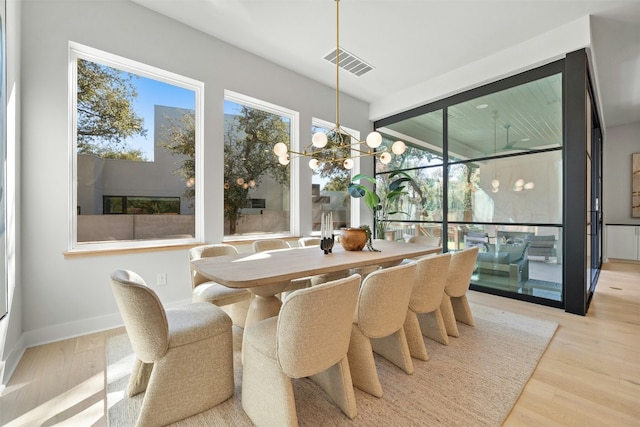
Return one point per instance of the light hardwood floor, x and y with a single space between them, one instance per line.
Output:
589 375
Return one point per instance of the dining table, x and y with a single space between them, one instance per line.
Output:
265 274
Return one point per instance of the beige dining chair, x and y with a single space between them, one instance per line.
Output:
205 290
309 338
424 316
378 325
425 240
184 355
275 244
309 241
455 305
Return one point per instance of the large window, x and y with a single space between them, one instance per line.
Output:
329 185
257 188
137 135
489 166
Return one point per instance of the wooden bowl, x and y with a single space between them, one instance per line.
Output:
353 239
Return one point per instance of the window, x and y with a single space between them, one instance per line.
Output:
140 205
329 186
258 190
489 165
137 134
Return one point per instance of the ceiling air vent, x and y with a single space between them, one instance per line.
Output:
349 62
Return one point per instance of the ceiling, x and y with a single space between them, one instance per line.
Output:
410 42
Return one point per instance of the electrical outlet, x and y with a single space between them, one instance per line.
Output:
161 279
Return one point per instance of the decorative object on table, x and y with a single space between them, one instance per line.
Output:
367 229
384 205
326 232
345 147
353 238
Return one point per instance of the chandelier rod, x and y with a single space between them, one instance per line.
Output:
337 64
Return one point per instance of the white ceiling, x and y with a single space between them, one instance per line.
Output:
410 42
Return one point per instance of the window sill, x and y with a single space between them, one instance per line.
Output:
121 251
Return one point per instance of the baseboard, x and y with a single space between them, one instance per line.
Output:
9 365
78 328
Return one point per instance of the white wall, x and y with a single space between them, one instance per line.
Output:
70 296
619 143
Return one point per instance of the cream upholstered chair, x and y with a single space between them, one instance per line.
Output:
205 290
425 240
309 241
378 325
424 316
275 244
309 338
184 356
454 302
269 245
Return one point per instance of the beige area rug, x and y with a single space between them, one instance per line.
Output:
474 381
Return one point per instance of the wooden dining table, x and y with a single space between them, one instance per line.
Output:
268 273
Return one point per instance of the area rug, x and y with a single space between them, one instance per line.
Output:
474 381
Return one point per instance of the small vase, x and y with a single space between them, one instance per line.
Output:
353 239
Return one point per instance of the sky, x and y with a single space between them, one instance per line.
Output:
150 93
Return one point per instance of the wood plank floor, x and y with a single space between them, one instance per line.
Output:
589 375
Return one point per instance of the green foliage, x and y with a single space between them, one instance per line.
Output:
248 154
337 148
384 205
181 140
105 109
367 230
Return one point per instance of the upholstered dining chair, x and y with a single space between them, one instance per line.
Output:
205 290
309 338
425 240
455 305
424 316
274 244
309 241
378 325
184 355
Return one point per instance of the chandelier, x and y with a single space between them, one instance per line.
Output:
344 147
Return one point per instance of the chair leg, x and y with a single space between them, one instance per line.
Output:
462 310
336 382
238 312
449 318
362 364
394 348
413 333
432 326
267 393
139 377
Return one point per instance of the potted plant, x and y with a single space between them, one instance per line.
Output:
383 206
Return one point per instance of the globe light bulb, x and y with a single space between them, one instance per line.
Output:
529 186
519 182
280 149
284 159
245 185
385 158
495 183
252 183
398 147
348 163
495 189
374 139
314 164
240 181
319 139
